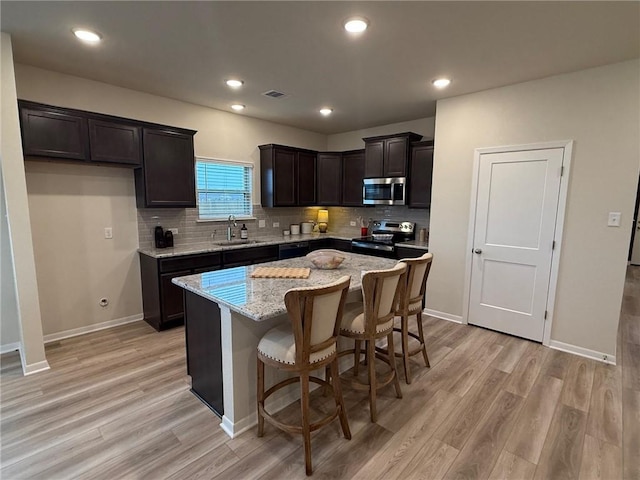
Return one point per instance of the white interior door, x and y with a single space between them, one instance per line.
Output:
515 217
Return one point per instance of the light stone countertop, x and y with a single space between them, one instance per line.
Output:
263 298
209 247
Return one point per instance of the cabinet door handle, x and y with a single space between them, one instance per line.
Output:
478 251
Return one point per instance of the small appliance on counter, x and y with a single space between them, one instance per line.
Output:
168 239
159 237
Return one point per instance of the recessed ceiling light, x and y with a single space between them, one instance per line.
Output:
326 111
441 82
87 35
233 83
356 24
237 107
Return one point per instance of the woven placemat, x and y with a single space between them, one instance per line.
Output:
281 272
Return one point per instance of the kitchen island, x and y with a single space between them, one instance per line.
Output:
226 314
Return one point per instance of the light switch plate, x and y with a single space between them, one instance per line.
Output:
261 224
108 233
173 230
276 224
352 223
614 219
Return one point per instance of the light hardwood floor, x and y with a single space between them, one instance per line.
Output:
116 404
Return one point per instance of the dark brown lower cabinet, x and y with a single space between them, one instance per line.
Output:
249 256
406 252
162 300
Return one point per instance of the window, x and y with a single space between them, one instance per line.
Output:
223 188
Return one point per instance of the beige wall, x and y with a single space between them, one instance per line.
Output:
71 204
22 278
353 140
70 207
9 320
599 109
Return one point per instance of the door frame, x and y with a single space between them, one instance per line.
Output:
567 146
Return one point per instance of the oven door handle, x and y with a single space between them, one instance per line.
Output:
373 246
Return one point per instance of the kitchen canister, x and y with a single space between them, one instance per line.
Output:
295 229
306 227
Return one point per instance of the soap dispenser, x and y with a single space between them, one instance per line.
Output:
244 233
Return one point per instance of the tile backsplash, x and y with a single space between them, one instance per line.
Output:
190 231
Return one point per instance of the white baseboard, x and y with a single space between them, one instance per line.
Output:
35 367
9 347
443 315
74 332
582 352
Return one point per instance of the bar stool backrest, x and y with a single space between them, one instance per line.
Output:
417 274
381 291
316 314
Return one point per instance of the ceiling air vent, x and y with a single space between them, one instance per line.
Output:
274 94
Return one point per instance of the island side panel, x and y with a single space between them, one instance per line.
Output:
240 338
204 350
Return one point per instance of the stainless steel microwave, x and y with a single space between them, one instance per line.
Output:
384 191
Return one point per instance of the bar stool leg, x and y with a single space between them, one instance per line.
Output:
421 335
260 397
337 392
392 361
371 355
404 331
356 357
306 431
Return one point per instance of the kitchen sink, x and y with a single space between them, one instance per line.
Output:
237 242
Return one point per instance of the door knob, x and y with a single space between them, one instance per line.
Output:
478 251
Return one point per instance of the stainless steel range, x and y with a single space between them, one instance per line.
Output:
384 236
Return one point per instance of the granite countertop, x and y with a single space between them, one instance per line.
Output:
263 298
252 242
196 248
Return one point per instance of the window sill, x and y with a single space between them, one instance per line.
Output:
225 220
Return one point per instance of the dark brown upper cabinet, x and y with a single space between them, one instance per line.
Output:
53 132
162 156
352 175
167 178
388 155
421 174
329 171
112 142
287 176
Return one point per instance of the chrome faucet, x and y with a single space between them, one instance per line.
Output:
232 221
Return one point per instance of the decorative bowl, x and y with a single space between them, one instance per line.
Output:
326 259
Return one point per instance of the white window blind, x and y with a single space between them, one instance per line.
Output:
223 189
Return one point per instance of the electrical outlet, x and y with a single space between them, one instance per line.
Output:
108 233
173 230
261 224
276 224
352 223
614 219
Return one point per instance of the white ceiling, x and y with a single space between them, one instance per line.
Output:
185 50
